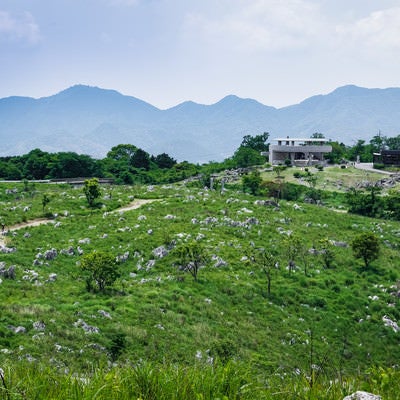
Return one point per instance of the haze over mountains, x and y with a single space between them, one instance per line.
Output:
90 120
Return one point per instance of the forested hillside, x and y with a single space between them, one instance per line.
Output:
90 120
128 163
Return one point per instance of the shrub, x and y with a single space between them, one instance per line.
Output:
91 190
297 174
379 166
191 257
102 269
225 349
366 246
117 345
291 191
252 182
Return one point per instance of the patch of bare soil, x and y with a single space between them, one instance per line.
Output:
135 204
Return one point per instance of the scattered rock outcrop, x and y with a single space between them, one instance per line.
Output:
359 395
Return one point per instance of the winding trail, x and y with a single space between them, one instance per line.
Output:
40 221
135 204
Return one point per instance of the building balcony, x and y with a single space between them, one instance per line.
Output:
300 149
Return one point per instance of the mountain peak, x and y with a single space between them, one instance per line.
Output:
79 90
231 97
350 90
92 120
90 96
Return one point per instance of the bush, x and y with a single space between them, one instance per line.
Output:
366 246
117 344
101 269
91 190
225 349
297 174
379 166
292 192
252 182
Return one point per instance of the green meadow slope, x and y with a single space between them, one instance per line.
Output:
334 321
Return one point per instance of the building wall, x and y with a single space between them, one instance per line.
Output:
388 157
279 153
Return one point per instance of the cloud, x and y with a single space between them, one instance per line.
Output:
20 28
296 29
261 24
380 30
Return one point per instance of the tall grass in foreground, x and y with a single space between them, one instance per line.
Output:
157 382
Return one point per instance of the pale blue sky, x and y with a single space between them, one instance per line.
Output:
278 52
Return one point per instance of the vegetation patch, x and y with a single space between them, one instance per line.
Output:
235 290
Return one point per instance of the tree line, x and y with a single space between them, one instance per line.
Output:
128 164
362 149
125 163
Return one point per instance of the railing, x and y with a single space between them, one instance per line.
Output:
301 149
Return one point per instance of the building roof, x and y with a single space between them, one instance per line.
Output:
286 139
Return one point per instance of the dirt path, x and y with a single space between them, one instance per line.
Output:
40 221
370 168
135 204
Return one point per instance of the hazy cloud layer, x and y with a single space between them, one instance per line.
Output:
273 25
261 25
379 31
18 27
168 51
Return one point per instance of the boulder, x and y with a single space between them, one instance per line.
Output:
39 326
359 395
391 324
160 252
52 277
7 273
50 254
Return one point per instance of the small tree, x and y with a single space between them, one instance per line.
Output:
279 179
267 262
367 247
102 269
304 255
45 201
163 160
257 142
293 247
326 252
246 156
92 190
311 179
191 257
278 169
252 182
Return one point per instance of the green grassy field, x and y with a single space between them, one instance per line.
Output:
332 178
319 333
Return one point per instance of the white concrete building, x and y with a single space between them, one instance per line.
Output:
300 151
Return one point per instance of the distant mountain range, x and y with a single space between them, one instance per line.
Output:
90 120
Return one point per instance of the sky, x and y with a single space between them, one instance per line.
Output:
165 52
